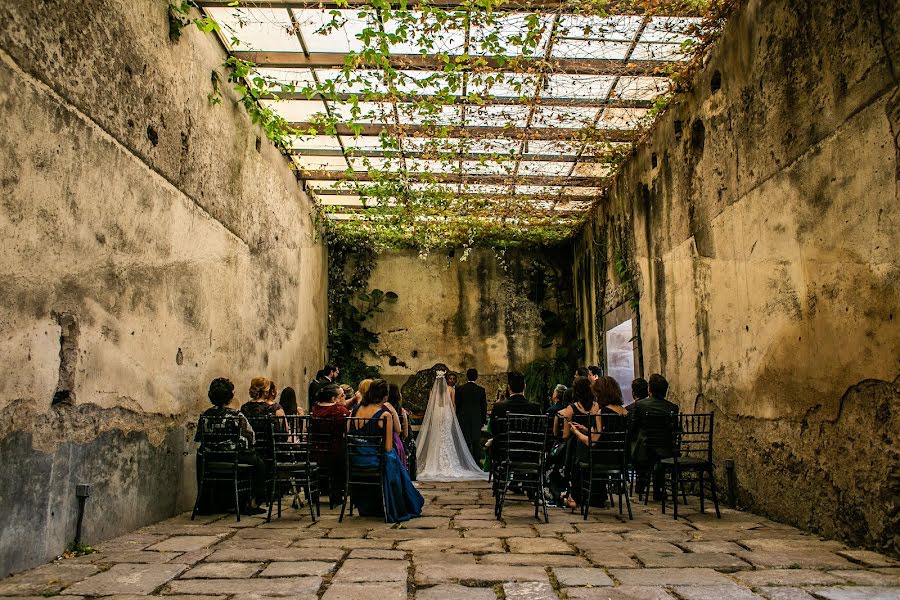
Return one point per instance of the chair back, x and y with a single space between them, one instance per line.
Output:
659 430
326 434
694 436
364 445
220 439
264 430
608 448
290 443
526 439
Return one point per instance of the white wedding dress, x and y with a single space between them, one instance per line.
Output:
441 450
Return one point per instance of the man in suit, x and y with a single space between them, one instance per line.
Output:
471 412
326 376
516 404
650 426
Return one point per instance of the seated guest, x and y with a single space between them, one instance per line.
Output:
328 439
581 413
348 392
581 372
358 396
402 500
556 405
594 373
609 396
259 406
650 427
639 391
221 392
401 424
288 402
517 404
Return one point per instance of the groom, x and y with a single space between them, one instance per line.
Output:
471 412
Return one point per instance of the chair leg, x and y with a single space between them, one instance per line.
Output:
307 489
662 490
197 501
344 503
586 497
715 497
702 505
237 499
676 479
543 499
628 504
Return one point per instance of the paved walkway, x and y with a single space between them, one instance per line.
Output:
458 551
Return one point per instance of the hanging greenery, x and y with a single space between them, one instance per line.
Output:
403 207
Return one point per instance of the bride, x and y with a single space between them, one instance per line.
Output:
441 452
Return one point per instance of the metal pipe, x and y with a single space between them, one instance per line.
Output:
82 492
731 480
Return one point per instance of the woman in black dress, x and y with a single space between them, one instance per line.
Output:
582 414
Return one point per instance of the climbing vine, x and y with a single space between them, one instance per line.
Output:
400 206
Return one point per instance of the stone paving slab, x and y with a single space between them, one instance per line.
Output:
567 576
795 577
366 591
712 560
539 546
282 586
281 554
127 579
449 591
442 573
46 579
858 593
669 577
132 556
810 559
625 592
367 553
868 558
784 593
356 570
539 560
715 592
297 569
529 590
223 570
185 543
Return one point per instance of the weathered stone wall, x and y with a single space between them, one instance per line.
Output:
478 312
761 223
150 242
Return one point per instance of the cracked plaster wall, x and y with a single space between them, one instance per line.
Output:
762 224
151 242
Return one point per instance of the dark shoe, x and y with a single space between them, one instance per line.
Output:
254 510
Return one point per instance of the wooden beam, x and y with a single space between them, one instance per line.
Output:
464 178
670 8
515 133
569 158
483 100
432 62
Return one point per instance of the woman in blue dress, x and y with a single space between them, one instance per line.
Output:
402 501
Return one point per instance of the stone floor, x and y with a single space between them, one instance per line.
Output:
458 550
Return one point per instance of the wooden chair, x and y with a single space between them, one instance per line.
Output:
693 456
525 452
221 445
365 463
606 462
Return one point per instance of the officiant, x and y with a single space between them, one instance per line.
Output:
471 412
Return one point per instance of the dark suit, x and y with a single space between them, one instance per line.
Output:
471 412
314 387
650 423
517 404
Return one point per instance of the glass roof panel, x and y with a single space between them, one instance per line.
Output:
363 80
559 147
321 163
656 51
314 142
490 167
620 27
363 142
257 29
505 28
592 169
567 117
422 165
640 88
583 191
430 144
496 115
485 188
298 111
501 84
490 146
369 112
429 114
312 24
560 85
341 200
621 118
300 78
359 163
425 83
542 190
582 48
543 167
674 30
445 38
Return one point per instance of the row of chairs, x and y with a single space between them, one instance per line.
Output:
525 440
289 447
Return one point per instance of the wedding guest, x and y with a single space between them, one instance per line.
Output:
327 428
360 393
580 372
220 394
401 499
609 396
556 405
259 405
581 412
639 391
328 374
394 404
594 372
348 392
652 440
517 403
288 402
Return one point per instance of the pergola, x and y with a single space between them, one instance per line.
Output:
455 118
